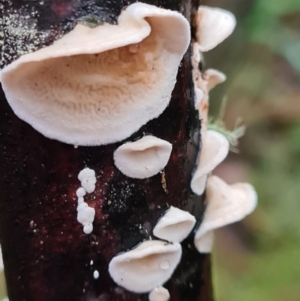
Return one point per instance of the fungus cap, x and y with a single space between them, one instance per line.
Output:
175 225
146 267
99 85
213 78
143 158
215 148
226 204
213 26
159 294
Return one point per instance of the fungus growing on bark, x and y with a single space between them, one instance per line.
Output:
143 158
213 26
159 294
88 180
215 148
100 85
175 225
226 204
213 78
146 267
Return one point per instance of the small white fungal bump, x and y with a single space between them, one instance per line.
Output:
96 274
146 267
213 26
143 158
87 177
215 148
88 228
80 192
91 262
159 294
85 216
175 225
226 204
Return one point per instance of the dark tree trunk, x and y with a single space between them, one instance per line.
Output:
47 256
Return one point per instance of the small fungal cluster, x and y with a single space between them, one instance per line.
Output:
225 204
86 214
99 85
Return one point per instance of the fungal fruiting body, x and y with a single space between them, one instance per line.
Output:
96 274
146 267
99 85
86 214
226 204
87 177
143 158
215 148
175 225
159 294
213 26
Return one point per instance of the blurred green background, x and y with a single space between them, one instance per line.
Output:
259 258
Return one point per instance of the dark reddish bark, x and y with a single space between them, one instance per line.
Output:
46 253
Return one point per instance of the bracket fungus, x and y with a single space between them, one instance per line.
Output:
143 158
215 148
213 78
99 85
175 225
146 267
213 26
226 204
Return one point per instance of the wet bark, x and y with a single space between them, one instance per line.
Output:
47 256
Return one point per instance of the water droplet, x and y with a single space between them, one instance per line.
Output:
165 265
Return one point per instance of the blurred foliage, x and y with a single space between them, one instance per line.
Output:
260 260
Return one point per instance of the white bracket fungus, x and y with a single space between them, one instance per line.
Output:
215 148
213 78
99 85
226 204
159 294
143 158
203 84
146 267
175 225
213 26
